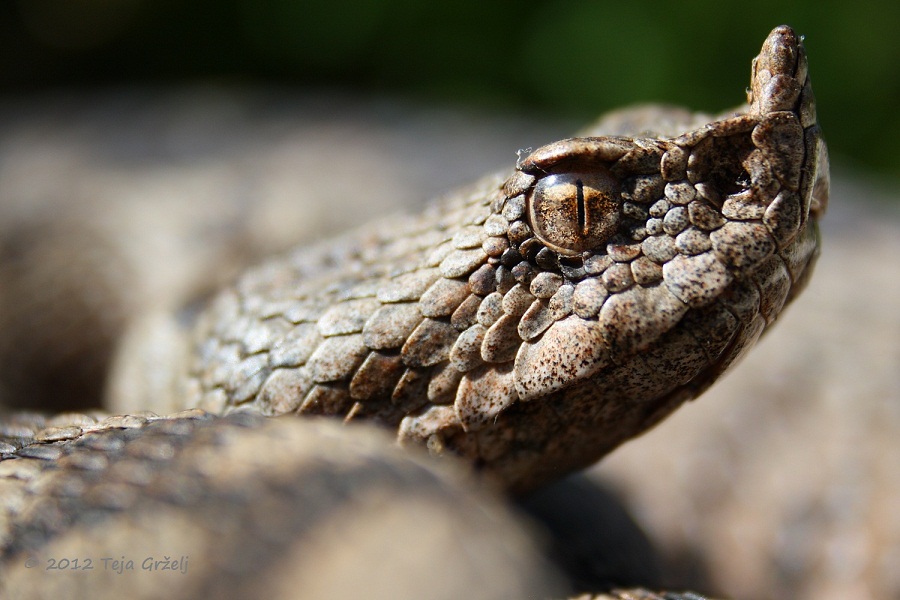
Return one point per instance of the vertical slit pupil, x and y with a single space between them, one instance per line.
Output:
579 204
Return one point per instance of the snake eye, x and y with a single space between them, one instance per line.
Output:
574 212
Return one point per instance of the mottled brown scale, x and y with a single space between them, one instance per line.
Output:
535 320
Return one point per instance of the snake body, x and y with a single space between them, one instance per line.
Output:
528 324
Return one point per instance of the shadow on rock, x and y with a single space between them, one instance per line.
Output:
598 544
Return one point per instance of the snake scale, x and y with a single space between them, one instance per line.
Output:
527 324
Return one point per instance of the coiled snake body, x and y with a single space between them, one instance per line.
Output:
528 324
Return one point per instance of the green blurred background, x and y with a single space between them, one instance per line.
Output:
562 59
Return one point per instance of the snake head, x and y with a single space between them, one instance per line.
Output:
532 323
633 271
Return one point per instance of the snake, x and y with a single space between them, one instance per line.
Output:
512 332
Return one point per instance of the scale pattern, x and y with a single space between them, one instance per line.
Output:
529 324
535 320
